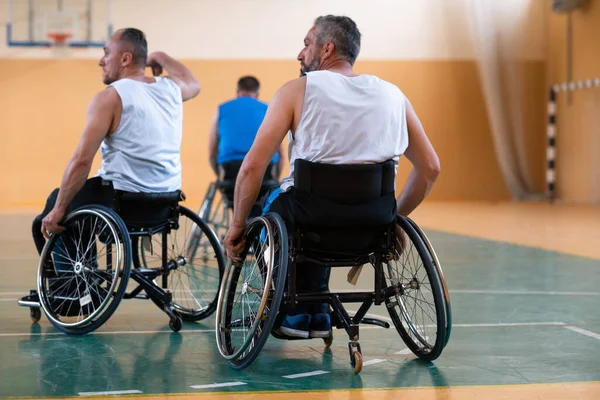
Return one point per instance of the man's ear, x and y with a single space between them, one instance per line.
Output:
126 59
328 49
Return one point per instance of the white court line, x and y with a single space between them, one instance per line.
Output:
217 385
107 333
305 374
374 361
501 324
404 351
495 325
112 392
583 332
490 325
526 292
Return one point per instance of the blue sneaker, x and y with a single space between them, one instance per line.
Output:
320 326
295 326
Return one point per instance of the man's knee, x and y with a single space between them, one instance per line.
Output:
36 233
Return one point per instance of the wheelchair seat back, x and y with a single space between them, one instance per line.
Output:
228 173
347 209
148 210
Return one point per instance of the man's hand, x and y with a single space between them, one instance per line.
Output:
400 241
50 224
154 64
178 73
234 241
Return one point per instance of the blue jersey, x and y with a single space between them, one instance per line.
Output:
239 120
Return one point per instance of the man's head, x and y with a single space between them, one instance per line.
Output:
124 53
248 86
331 38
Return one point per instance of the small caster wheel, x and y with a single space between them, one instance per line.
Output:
328 340
35 314
357 362
175 324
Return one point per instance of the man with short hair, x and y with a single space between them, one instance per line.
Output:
232 132
335 117
137 124
235 124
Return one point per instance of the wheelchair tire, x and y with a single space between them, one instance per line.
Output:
438 266
208 278
271 230
414 334
66 270
215 215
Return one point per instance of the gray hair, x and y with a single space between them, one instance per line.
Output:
342 32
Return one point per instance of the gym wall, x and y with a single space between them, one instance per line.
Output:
425 47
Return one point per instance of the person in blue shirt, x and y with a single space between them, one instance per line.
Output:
232 133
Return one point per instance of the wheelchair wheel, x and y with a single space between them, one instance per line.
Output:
438 266
418 311
216 216
251 291
83 271
194 281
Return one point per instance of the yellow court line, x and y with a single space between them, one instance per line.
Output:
546 391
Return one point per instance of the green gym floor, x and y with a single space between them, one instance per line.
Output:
526 325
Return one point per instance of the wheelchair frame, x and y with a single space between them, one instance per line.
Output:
383 293
145 277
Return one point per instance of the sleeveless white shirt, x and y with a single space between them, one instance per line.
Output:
348 120
143 154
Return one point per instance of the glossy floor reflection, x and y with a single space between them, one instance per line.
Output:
521 315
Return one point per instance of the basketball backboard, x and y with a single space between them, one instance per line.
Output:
46 23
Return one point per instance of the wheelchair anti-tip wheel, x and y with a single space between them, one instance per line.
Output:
83 271
418 310
35 314
251 291
193 279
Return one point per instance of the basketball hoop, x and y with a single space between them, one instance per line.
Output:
59 39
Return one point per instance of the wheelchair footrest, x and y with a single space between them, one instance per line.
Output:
374 321
32 300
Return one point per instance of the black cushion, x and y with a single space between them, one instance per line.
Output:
147 210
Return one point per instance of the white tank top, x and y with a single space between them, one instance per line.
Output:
143 154
348 120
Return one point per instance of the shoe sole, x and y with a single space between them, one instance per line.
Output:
319 334
293 332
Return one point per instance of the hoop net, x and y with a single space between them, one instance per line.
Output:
59 39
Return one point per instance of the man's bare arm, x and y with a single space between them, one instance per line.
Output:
213 143
277 122
178 73
100 116
426 165
280 162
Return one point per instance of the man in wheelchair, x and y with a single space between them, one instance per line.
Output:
137 124
232 132
335 118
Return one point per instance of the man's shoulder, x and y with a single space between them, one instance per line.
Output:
227 103
392 87
246 100
107 95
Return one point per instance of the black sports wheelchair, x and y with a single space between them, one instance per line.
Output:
352 223
217 206
84 271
